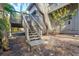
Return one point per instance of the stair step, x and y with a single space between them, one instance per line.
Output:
34 38
31 36
31 30
35 42
32 33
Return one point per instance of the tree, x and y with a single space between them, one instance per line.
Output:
43 9
4 22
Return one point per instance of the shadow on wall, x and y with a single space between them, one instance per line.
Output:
65 30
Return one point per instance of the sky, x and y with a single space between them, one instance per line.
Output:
17 7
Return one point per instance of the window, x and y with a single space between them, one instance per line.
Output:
69 22
34 12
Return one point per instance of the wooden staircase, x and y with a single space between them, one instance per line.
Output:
35 39
32 34
33 30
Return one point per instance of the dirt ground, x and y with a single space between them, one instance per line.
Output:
58 45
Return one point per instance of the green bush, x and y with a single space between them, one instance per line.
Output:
2 27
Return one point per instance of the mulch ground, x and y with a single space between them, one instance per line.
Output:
59 45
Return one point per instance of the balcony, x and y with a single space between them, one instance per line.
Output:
16 22
55 6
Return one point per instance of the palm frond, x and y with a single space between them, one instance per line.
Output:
9 8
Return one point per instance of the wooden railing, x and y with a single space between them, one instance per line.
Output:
35 25
35 20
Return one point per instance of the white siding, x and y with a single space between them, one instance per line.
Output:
73 27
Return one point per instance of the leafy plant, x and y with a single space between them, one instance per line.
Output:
2 27
4 24
9 8
61 15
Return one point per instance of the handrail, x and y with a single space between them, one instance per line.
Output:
32 23
26 27
25 21
36 29
37 23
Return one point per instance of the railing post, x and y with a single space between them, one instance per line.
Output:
26 27
27 32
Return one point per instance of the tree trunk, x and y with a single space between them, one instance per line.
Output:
5 41
44 9
60 28
10 35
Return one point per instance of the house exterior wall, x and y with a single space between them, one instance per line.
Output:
73 27
47 8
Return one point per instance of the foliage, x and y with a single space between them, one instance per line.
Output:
58 17
4 22
9 8
7 23
15 29
2 27
62 15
